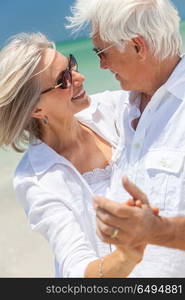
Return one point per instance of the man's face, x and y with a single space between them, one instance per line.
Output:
128 66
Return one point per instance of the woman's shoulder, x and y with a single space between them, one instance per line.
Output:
44 170
38 162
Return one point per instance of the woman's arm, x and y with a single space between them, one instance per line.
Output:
118 264
72 248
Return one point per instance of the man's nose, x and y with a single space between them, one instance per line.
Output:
103 63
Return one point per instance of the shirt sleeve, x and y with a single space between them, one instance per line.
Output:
50 216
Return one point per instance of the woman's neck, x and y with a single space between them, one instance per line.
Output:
64 137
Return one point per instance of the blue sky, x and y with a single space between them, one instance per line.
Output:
47 16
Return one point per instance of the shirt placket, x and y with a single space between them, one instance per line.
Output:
140 137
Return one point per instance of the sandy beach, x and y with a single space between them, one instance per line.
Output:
23 253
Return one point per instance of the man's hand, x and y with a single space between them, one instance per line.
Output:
134 223
133 190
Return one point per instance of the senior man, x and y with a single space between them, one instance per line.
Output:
139 41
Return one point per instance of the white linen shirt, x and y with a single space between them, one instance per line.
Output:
57 199
153 157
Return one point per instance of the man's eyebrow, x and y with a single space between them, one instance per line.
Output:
96 49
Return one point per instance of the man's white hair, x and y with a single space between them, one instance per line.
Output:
118 21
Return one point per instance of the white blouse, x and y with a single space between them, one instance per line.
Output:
99 179
58 200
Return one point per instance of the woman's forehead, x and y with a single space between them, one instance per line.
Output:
53 59
54 62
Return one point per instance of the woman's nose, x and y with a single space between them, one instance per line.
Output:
77 78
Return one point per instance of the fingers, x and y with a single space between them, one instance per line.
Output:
108 219
155 210
134 191
132 202
138 203
104 227
116 209
104 232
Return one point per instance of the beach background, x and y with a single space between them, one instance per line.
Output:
24 253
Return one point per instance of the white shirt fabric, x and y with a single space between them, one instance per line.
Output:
153 156
99 181
58 200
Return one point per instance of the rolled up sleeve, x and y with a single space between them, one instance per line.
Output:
57 222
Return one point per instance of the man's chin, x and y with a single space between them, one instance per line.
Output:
124 86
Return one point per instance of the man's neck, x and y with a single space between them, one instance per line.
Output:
162 71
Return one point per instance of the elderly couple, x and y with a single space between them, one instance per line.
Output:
81 146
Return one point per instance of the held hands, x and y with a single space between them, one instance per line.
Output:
127 225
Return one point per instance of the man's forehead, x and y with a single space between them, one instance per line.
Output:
98 41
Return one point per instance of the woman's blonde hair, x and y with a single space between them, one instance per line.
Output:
20 88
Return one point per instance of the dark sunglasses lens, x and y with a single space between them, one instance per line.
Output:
73 65
65 79
96 52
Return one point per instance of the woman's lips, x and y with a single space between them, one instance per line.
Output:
79 95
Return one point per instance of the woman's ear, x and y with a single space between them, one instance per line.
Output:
140 46
37 113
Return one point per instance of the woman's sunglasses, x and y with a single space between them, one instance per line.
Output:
65 78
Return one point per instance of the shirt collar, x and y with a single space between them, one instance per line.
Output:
133 96
174 85
87 114
42 157
176 82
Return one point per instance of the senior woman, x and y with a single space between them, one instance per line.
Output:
140 42
70 154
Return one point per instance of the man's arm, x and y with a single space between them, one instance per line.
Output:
169 232
137 225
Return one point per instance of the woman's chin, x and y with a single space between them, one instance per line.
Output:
82 103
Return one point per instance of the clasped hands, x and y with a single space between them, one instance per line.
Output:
127 225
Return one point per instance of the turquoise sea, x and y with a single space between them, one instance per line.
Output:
11 240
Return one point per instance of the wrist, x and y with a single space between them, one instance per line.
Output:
131 255
159 230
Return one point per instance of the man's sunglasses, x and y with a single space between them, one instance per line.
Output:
99 52
65 78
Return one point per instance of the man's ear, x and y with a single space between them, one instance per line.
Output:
140 46
37 113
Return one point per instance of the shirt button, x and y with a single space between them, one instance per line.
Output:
164 163
137 145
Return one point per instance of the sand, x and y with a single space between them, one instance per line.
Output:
23 253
